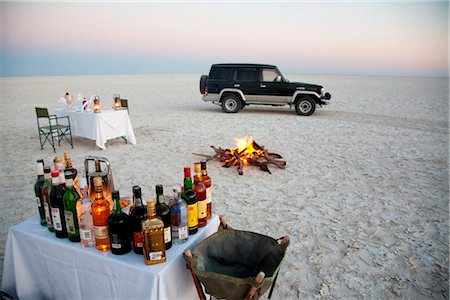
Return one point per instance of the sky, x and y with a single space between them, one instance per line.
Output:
331 37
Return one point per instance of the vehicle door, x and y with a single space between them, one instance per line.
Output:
271 88
245 79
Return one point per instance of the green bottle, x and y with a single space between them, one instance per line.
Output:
70 199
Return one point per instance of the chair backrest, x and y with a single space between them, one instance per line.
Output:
42 112
124 103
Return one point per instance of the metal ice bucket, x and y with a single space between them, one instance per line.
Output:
101 167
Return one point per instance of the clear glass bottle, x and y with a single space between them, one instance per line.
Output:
163 211
70 199
119 228
84 213
190 197
57 206
38 190
178 217
100 215
200 190
153 232
138 214
207 182
46 189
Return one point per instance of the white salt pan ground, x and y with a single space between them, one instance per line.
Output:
364 196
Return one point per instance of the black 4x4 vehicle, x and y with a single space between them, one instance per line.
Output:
235 85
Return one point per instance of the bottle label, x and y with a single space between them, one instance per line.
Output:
70 223
208 195
48 214
85 234
167 235
201 209
192 215
115 241
101 232
138 239
183 233
155 255
38 202
56 217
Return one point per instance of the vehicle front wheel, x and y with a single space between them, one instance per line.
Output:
305 106
231 103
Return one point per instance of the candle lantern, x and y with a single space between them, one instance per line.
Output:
117 103
96 105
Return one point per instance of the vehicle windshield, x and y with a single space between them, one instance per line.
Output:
283 79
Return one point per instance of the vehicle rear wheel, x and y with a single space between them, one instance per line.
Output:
231 103
305 106
203 80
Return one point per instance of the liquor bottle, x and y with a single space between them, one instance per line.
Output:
191 200
57 206
46 189
100 215
69 167
200 190
153 232
138 213
119 228
207 182
163 211
38 190
84 213
70 198
59 166
178 218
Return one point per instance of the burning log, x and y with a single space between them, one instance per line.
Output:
248 152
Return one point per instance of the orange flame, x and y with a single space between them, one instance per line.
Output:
245 149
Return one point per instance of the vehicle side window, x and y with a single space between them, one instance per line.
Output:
243 74
269 75
220 73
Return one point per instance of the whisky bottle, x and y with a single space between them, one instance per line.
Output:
178 217
163 211
153 232
38 191
119 228
200 190
138 213
207 182
46 189
84 213
57 206
100 215
70 199
191 200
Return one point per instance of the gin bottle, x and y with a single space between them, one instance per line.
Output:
178 217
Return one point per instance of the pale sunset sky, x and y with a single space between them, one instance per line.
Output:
332 37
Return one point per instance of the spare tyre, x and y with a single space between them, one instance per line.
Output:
203 80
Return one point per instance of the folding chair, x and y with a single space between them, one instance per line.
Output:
124 104
50 128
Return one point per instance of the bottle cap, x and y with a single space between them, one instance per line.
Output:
197 167
68 175
187 171
82 183
66 155
191 195
115 194
137 192
47 169
159 189
58 159
55 173
203 165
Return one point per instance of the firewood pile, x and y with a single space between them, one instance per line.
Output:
247 153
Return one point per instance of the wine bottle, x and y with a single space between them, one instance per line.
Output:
163 211
38 191
191 200
178 217
46 189
70 199
153 232
138 213
100 215
207 181
84 213
119 228
200 190
57 206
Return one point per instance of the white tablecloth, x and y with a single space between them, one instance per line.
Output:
103 126
38 265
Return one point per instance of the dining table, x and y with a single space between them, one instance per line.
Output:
100 126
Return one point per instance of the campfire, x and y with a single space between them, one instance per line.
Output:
248 152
